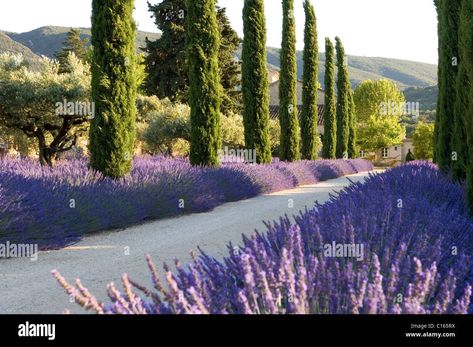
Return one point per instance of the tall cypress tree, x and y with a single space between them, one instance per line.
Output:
203 41
448 16
114 87
352 152
462 103
310 95
330 117
343 90
255 81
466 49
288 115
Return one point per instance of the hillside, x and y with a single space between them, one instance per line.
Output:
405 73
426 97
48 40
8 45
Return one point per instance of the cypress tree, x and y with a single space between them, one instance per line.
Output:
466 48
459 135
203 41
288 115
310 95
255 81
114 87
448 16
343 89
330 118
352 152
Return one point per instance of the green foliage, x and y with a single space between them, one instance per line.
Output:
28 102
309 118
72 44
114 87
424 141
166 56
203 42
330 117
379 132
290 132
343 107
463 104
167 127
372 97
165 60
230 71
466 91
378 125
448 15
255 83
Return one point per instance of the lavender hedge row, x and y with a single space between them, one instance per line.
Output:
54 207
418 241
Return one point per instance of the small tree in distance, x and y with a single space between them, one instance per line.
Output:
343 102
330 117
72 44
424 141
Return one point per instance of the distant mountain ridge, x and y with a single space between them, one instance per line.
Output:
404 73
48 40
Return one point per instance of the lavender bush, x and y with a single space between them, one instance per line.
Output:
418 246
54 207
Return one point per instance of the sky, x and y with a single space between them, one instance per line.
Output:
401 29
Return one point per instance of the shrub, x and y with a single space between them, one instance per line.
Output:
168 131
407 266
57 206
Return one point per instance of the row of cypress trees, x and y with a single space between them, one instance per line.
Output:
339 121
339 114
453 150
114 86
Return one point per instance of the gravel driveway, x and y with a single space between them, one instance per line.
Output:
27 286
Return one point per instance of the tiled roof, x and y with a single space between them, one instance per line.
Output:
274 113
